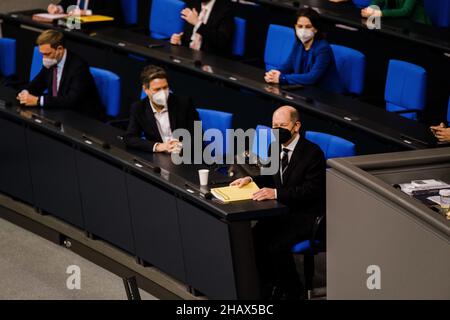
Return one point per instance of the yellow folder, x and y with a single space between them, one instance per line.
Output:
232 194
95 18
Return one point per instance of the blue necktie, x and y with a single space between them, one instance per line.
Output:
81 5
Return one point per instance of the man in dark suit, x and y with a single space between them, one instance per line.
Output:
299 184
158 115
209 27
110 8
65 77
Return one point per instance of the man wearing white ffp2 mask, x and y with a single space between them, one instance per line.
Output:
158 115
64 81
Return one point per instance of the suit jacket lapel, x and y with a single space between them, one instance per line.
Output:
172 114
149 120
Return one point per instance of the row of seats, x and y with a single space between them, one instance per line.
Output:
405 91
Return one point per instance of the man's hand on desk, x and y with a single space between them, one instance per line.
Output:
441 132
370 12
273 76
27 99
261 195
242 182
191 16
176 39
168 147
55 9
265 194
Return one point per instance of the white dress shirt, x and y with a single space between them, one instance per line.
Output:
163 123
196 39
60 70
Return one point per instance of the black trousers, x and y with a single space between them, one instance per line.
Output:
274 239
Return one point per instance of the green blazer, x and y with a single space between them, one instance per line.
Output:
412 9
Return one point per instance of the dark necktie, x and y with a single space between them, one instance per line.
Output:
82 5
55 81
284 163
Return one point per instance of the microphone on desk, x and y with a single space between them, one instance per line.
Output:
103 144
203 193
56 124
142 164
5 104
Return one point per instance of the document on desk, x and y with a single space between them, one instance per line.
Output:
422 187
47 17
233 194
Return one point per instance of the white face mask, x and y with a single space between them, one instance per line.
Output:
161 97
304 34
48 63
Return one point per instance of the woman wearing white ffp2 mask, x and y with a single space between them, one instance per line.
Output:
311 61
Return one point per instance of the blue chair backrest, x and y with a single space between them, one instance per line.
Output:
351 66
36 63
7 57
332 146
108 86
438 11
165 18
448 112
405 87
130 11
261 141
362 3
240 32
212 119
279 45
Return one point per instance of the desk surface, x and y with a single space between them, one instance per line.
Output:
349 14
340 109
172 177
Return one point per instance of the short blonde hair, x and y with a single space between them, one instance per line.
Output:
52 37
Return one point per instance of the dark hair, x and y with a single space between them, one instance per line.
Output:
52 37
151 73
315 19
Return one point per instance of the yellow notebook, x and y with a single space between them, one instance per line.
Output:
232 194
95 18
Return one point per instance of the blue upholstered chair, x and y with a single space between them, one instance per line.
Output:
351 66
130 11
212 119
405 89
7 57
165 18
362 3
36 63
448 112
333 147
279 44
108 86
239 38
438 11
261 141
